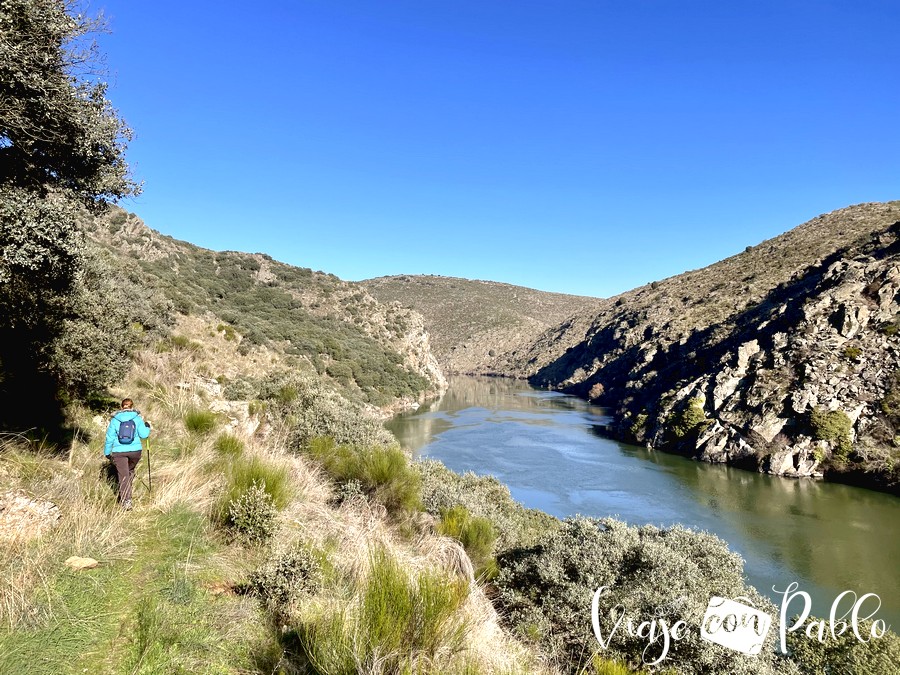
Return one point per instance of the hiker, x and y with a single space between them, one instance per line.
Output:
123 446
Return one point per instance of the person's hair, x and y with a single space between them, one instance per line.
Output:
127 403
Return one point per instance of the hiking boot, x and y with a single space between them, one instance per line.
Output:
126 505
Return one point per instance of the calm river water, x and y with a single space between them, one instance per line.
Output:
545 446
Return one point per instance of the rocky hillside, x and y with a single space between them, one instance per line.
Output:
476 326
377 353
784 358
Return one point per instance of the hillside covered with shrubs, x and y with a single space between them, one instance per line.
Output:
377 353
286 534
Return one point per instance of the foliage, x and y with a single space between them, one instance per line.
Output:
286 576
668 573
845 654
252 516
308 408
688 419
483 497
476 534
833 426
400 624
601 666
639 427
200 422
230 446
245 474
890 404
384 473
63 332
852 352
277 312
60 132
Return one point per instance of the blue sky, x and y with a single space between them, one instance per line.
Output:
576 146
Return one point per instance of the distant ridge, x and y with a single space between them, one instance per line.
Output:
475 324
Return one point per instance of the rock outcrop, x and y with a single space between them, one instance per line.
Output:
784 359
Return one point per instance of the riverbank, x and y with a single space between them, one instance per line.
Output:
550 450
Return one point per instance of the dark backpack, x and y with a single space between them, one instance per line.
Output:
127 431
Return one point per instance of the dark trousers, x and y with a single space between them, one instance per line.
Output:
125 463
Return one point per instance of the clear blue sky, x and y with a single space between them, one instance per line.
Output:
576 146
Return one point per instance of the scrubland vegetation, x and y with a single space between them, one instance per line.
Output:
256 552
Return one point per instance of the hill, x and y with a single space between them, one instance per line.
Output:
784 358
375 353
475 325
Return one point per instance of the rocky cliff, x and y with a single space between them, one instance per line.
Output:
784 358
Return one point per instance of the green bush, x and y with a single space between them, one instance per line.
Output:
246 473
253 515
688 419
833 426
639 427
230 446
476 534
287 576
384 473
852 352
484 497
310 409
601 666
890 404
845 655
239 389
200 422
650 572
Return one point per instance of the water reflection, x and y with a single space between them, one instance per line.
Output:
546 447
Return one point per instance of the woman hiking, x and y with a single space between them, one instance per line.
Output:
123 446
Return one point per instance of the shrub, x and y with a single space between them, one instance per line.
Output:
890 404
200 422
596 391
247 473
184 343
833 426
286 576
485 497
310 409
846 654
239 389
384 473
253 515
601 666
230 446
688 419
852 352
650 572
639 427
476 534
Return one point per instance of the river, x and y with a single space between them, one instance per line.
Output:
548 449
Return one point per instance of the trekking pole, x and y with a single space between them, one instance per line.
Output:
149 477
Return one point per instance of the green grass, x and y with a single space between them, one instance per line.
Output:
401 622
229 445
200 422
147 613
476 534
384 472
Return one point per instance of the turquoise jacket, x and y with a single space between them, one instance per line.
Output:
112 433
